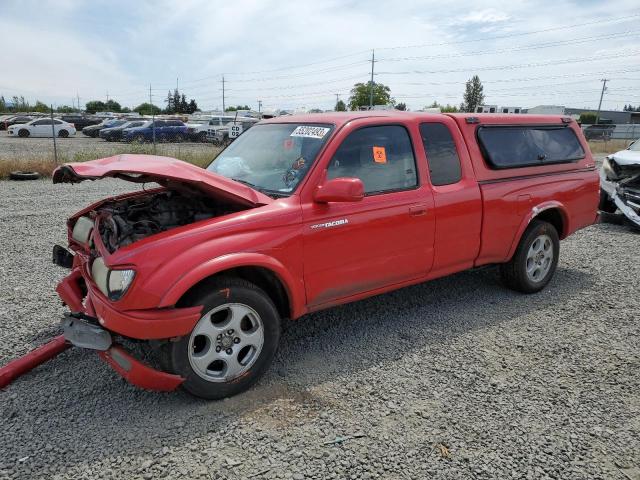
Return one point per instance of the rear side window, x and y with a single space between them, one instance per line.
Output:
382 157
444 163
525 146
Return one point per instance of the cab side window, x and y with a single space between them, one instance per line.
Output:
442 156
382 157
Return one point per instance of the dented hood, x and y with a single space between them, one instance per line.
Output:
626 157
166 171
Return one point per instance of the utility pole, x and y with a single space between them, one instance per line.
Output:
604 87
223 105
78 96
153 121
259 106
373 60
107 96
53 134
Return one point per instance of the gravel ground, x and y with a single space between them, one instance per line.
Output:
456 378
15 148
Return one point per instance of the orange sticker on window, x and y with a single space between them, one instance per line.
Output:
379 155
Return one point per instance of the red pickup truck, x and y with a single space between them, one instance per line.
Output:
302 213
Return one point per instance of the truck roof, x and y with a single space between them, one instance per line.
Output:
340 118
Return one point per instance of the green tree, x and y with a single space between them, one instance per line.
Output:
588 118
340 106
473 94
113 106
125 110
65 109
361 92
41 107
444 108
193 106
401 106
20 104
3 104
170 105
315 110
95 106
147 109
184 105
237 107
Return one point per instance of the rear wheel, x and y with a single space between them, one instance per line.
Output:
202 137
23 132
232 344
63 133
178 138
535 260
139 138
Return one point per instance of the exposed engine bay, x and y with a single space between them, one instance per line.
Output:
129 220
620 184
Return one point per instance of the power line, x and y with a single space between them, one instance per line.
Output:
512 35
516 66
515 49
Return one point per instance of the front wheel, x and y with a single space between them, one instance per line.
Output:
233 343
535 260
24 133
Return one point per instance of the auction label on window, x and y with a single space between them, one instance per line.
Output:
379 155
310 131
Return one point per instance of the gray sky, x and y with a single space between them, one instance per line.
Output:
301 54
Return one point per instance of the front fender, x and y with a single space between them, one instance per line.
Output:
294 287
533 213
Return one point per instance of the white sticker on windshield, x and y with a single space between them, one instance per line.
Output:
310 131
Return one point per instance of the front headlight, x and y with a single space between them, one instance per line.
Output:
118 283
608 169
112 283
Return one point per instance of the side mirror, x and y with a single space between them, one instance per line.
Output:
340 190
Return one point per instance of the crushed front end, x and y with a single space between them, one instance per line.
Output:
620 185
98 294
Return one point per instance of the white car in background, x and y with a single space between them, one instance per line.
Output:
41 127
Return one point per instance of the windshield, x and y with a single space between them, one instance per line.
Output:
272 158
635 146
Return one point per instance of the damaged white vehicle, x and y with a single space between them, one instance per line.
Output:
620 183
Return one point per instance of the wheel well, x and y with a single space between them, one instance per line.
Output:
554 217
263 278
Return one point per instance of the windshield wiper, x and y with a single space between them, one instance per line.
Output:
266 191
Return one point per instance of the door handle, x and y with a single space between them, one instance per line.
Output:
417 210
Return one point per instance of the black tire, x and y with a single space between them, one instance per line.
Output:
139 139
202 137
228 291
23 132
24 175
606 204
178 138
514 273
63 134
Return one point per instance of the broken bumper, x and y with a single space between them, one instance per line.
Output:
611 188
94 323
85 334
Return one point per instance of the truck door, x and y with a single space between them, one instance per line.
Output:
382 240
456 195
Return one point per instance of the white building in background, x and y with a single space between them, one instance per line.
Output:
497 109
547 110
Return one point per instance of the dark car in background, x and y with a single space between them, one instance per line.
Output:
599 131
94 130
17 119
165 131
114 134
81 121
